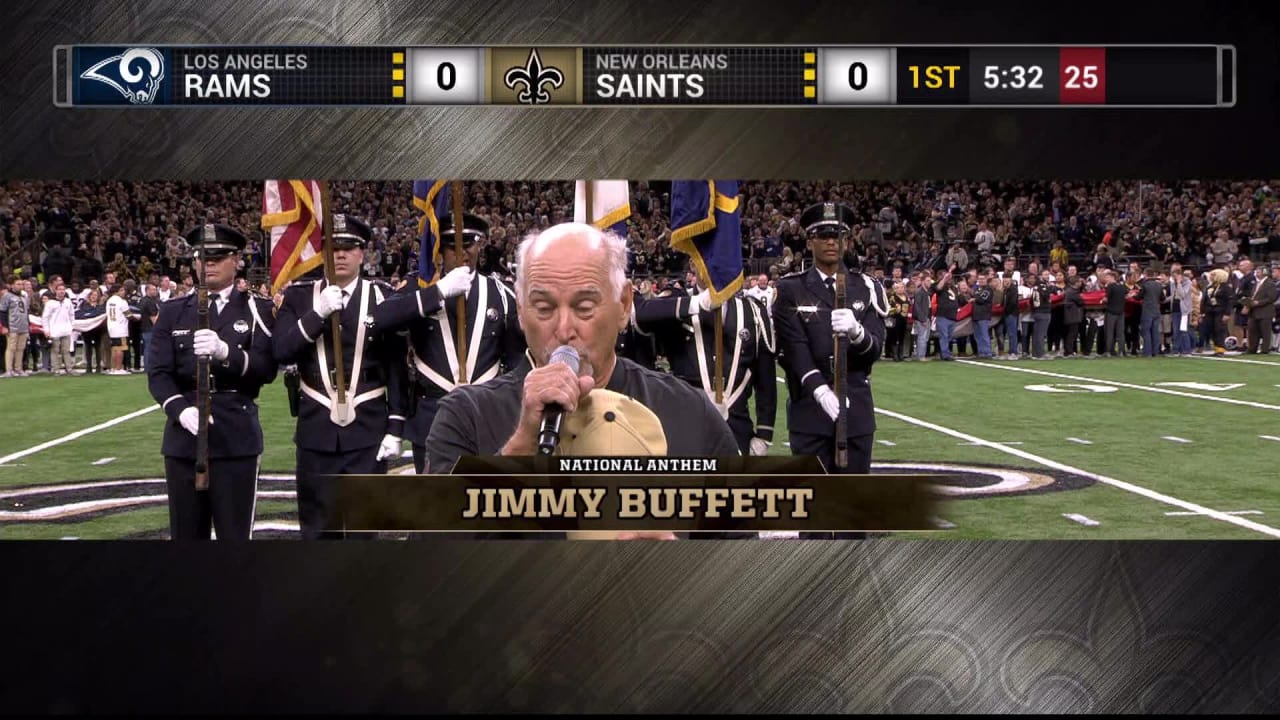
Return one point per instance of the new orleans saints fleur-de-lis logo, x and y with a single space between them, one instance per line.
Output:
534 77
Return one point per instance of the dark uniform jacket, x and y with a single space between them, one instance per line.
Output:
479 419
245 324
495 343
634 343
374 369
689 344
802 318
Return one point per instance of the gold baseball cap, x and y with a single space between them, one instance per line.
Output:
607 423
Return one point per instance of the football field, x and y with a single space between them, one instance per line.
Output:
1129 448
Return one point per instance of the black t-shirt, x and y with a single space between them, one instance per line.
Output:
1042 299
479 419
948 303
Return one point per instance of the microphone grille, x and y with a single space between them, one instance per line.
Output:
566 354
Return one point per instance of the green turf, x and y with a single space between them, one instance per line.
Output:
1227 467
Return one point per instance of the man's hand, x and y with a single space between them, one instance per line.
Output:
390 448
207 342
456 282
826 397
553 384
189 419
330 301
844 321
760 446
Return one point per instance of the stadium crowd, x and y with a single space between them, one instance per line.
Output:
71 252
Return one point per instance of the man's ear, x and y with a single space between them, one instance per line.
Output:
628 296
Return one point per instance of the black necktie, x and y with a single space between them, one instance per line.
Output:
831 286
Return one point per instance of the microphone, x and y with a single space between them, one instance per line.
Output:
553 415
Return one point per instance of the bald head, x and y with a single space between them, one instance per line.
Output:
571 289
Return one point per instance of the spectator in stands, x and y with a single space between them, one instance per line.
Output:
118 328
148 312
13 311
1152 294
896 322
921 313
58 320
94 339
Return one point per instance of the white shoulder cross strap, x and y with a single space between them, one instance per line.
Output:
735 387
343 415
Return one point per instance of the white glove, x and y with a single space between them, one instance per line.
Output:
700 302
456 282
389 448
189 419
207 342
759 446
330 301
844 321
826 397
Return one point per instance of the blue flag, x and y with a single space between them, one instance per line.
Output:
706 225
432 198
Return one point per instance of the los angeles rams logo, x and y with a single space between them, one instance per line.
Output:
135 74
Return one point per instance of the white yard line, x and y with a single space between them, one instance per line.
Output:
1131 386
1175 438
78 434
1079 441
1236 360
1077 517
1120 484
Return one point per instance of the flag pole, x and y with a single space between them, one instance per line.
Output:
335 320
458 225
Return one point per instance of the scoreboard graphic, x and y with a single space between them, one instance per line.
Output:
1163 76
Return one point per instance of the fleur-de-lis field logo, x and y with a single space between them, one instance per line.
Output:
534 78
135 74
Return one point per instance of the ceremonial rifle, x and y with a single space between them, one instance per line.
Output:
203 395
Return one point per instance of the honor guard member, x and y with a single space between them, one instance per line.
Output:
685 330
238 343
806 318
634 343
359 436
495 343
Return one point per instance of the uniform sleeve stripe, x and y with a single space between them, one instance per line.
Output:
421 311
806 375
395 417
245 370
765 427
303 329
165 404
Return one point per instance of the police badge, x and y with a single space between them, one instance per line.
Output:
241 326
745 334
859 306
491 313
